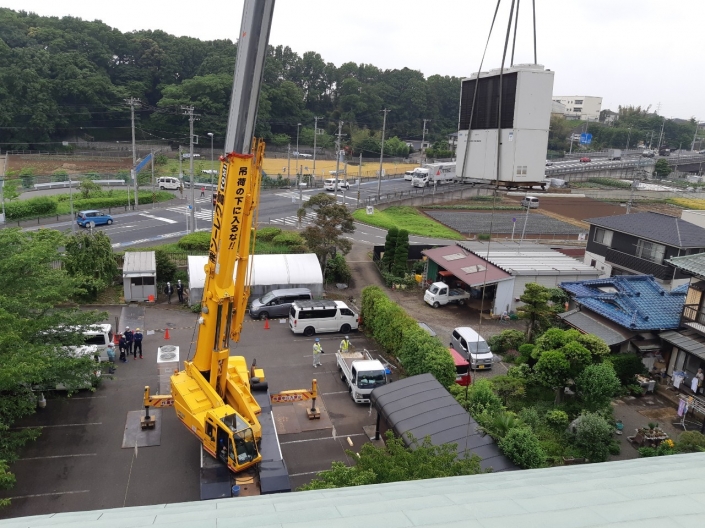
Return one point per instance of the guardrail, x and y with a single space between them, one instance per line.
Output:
74 183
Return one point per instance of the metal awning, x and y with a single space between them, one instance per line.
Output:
445 273
687 340
590 324
647 345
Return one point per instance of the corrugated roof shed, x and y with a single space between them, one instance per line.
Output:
657 227
531 260
663 492
466 266
635 302
694 264
589 325
139 262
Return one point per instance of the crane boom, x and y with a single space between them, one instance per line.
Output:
212 395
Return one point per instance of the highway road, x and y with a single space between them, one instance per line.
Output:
169 221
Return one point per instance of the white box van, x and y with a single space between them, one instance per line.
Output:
310 317
409 175
530 201
473 346
100 336
168 183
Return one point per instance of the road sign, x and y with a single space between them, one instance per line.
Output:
585 138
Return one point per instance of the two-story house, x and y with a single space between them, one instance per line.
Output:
687 345
641 244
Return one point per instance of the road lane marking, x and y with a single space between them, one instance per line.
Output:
160 218
336 438
48 494
59 456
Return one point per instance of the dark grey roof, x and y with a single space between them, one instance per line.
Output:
694 264
687 340
423 407
590 325
657 227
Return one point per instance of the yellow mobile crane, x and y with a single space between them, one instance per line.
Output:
212 395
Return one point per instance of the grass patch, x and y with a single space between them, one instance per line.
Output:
262 247
476 207
407 218
610 182
687 203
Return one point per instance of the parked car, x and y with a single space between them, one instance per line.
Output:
84 218
329 184
168 182
532 202
585 159
472 346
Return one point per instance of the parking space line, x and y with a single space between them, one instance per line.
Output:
59 456
338 392
48 494
58 425
307 473
324 438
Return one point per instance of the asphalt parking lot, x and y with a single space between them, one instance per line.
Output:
78 462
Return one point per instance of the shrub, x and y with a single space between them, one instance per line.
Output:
199 241
557 419
482 399
289 238
522 447
166 269
499 425
626 366
401 336
690 442
506 340
337 269
268 233
530 417
483 236
593 436
596 385
32 208
525 352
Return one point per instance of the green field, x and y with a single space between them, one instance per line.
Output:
407 218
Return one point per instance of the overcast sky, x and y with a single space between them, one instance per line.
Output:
630 52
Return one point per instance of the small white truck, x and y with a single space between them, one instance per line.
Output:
438 173
440 294
614 154
361 373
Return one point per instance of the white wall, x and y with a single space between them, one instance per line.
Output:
600 264
550 281
503 298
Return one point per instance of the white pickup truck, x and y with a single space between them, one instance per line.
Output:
361 373
440 294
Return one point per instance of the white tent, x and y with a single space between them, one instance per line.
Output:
269 272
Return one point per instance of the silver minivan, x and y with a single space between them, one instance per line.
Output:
472 346
168 183
276 303
532 202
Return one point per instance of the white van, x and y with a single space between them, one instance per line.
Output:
329 184
168 183
310 317
472 346
99 335
530 201
409 175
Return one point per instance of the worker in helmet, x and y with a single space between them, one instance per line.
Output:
317 351
345 344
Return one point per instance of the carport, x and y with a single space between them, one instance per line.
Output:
421 406
458 267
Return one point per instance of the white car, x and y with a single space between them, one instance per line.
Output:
188 156
409 175
548 163
329 184
301 155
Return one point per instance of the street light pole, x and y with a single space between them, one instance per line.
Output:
381 155
298 126
212 172
629 136
73 217
692 145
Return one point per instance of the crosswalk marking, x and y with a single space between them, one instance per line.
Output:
350 198
202 214
167 220
293 220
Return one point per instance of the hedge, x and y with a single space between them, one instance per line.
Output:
199 241
40 206
402 337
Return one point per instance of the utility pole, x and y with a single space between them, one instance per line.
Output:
298 126
73 216
359 179
692 145
381 154
660 137
288 162
188 110
629 136
132 102
423 133
315 136
212 172
337 155
152 158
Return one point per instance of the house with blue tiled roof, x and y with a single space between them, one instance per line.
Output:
627 312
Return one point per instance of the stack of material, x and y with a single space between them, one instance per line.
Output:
167 364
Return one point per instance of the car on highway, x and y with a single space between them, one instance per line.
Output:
409 175
329 184
301 155
585 159
548 163
84 218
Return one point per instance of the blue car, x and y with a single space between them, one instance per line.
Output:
84 218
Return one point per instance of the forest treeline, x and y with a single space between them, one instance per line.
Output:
66 78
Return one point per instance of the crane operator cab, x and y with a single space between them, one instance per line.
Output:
231 440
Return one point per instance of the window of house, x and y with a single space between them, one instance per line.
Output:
578 109
579 101
650 251
603 236
521 170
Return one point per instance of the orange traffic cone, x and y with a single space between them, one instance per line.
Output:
166 334
266 324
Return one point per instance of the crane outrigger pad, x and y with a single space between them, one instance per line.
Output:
135 435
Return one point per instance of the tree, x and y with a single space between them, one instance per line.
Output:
90 259
552 370
593 436
333 221
536 309
523 448
166 269
390 244
35 327
596 385
9 190
89 188
401 254
662 168
508 388
394 462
